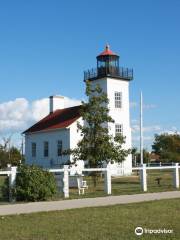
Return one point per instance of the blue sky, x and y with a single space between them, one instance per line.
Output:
46 45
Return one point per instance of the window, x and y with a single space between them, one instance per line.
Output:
118 129
46 149
118 99
59 148
33 149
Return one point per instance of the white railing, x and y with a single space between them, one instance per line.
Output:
66 171
12 171
107 172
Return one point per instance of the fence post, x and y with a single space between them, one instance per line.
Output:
143 178
107 180
66 181
12 181
176 176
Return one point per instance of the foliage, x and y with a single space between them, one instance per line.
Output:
137 156
4 188
97 145
167 146
9 155
34 184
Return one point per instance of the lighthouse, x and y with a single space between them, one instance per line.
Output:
114 81
47 139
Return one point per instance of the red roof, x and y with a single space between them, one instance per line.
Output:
59 119
107 51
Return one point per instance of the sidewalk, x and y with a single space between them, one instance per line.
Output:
86 202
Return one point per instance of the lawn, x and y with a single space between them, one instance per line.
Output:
129 184
101 223
120 185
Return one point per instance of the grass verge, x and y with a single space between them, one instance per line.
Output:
97 223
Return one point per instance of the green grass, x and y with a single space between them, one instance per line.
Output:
129 184
120 185
101 223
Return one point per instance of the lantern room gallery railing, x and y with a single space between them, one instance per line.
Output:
114 72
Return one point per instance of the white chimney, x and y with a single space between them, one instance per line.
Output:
55 103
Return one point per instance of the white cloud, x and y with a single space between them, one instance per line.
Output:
149 132
69 102
145 106
153 128
135 128
19 114
133 104
170 131
148 135
134 121
39 109
145 138
149 106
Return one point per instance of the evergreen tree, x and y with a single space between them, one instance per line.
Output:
97 145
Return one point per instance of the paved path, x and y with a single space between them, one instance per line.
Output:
86 202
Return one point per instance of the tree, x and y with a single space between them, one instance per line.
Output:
146 156
134 153
97 145
136 156
167 146
15 156
9 154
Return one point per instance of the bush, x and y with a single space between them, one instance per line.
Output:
34 184
4 188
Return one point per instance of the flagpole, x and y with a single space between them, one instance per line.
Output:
141 127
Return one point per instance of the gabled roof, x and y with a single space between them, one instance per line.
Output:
58 119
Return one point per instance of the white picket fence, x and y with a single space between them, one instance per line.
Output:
12 171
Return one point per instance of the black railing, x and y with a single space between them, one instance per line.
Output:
114 72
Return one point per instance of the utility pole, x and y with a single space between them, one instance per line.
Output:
141 127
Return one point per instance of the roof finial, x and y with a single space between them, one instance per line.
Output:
107 47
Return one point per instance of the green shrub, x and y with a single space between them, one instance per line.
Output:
34 184
4 188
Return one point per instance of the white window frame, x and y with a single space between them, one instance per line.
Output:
118 129
33 149
46 149
118 100
59 148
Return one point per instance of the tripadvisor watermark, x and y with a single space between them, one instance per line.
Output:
140 231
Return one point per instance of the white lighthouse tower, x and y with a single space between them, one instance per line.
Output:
114 81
